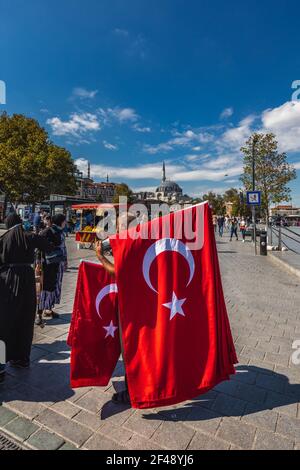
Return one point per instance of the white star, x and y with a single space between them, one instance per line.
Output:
110 330
175 306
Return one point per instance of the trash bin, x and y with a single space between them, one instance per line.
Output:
263 243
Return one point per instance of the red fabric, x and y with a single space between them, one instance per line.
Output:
169 360
93 355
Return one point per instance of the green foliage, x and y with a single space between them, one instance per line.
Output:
216 202
31 167
122 189
239 206
272 172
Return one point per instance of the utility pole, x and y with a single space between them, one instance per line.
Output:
253 189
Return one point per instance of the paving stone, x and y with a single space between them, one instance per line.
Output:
89 420
138 442
64 427
227 405
66 409
6 416
93 401
265 440
44 440
237 433
117 433
288 426
283 404
139 423
203 419
265 419
68 446
203 442
99 442
21 428
173 435
270 383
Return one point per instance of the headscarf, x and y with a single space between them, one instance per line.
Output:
14 240
12 220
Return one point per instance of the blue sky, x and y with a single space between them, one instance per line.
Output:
128 84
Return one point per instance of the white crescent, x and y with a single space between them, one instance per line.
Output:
167 244
110 288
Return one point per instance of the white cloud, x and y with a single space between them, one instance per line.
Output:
138 128
296 165
77 125
121 32
197 148
109 146
284 121
83 93
180 139
226 113
236 136
121 115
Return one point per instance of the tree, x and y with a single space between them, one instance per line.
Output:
216 202
31 167
122 189
272 172
239 207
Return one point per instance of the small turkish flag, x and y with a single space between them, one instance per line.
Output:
175 329
94 335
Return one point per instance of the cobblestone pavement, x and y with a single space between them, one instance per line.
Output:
257 409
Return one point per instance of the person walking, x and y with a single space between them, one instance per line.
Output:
221 221
233 229
243 228
53 267
17 290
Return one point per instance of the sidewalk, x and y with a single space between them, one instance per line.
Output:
258 409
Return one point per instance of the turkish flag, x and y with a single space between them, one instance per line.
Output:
94 335
176 334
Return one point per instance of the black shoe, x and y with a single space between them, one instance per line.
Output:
20 364
121 398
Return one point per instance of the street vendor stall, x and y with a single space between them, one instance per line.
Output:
88 216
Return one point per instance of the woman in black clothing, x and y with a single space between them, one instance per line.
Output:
17 290
52 272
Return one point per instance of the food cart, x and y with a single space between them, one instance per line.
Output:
88 216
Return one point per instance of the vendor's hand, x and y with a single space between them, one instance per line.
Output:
99 250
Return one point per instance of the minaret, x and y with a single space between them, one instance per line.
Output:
107 179
89 171
164 172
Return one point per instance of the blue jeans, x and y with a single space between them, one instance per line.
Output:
221 229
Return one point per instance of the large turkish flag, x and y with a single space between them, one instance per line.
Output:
94 335
175 329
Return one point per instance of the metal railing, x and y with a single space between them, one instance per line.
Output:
286 237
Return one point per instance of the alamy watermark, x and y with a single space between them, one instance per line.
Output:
296 87
175 221
2 352
2 92
295 358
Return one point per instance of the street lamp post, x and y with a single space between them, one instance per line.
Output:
253 189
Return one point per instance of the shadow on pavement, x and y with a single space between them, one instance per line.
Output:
237 398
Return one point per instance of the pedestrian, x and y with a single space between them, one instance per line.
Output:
17 291
53 267
234 227
215 221
221 222
37 222
243 228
